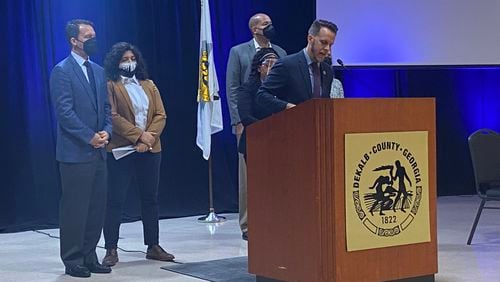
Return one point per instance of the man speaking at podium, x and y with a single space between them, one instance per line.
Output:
303 75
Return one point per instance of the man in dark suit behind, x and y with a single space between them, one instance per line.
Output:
303 75
79 95
238 70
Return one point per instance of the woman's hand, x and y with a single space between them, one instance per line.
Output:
148 138
141 147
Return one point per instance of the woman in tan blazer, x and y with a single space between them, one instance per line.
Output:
138 119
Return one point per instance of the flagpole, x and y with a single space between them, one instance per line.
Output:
209 108
211 217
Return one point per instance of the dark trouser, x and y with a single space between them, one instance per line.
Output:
81 211
146 169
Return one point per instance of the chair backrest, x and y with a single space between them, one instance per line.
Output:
484 147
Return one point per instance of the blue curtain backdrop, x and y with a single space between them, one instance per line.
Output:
167 32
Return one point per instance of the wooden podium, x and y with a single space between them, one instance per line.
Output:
296 192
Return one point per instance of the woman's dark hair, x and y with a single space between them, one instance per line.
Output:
114 56
257 61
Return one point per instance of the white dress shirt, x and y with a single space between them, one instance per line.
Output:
257 46
139 99
80 62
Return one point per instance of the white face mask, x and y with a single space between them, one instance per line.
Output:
128 66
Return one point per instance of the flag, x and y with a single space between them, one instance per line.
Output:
209 104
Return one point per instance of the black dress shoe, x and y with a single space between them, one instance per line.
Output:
77 271
98 268
244 236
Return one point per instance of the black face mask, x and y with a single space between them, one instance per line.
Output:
127 73
90 46
269 32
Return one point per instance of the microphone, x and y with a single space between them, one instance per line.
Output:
360 81
339 61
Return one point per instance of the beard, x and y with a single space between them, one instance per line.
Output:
316 53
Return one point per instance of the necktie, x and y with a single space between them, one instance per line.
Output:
316 80
90 74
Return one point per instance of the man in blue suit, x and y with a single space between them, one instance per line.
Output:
303 75
79 95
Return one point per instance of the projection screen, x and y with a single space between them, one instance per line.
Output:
405 32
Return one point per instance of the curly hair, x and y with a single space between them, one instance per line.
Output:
114 56
257 61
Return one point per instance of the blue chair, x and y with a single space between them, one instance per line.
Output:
484 147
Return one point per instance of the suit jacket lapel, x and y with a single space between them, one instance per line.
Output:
251 50
246 56
98 82
81 76
123 94
250 54
149 94
304 70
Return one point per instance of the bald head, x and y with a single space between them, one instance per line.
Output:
259 19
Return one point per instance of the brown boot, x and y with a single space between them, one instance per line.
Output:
111 257
158 253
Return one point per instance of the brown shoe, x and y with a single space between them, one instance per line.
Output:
158 253
111 257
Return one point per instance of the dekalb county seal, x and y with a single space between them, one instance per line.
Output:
386 188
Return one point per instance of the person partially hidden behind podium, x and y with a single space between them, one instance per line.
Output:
248 111
138 120
303 75
78 93
238 71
